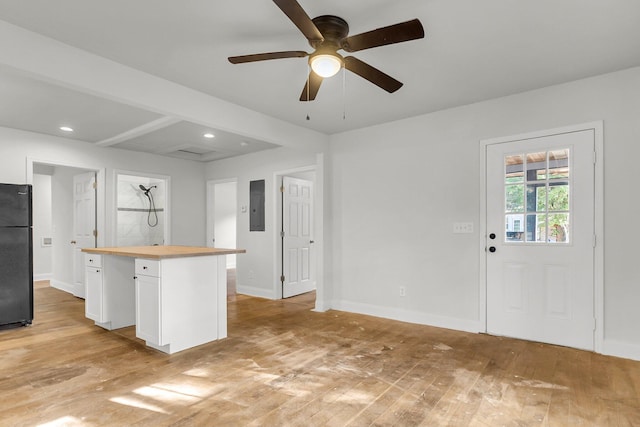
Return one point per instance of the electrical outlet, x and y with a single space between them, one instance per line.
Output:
403 291
462 227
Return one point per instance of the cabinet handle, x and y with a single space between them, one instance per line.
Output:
144 267
135 277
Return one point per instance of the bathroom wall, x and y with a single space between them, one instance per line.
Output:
135 224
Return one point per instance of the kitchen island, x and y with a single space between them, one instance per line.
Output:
176 296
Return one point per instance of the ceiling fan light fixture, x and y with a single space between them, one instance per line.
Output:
326 65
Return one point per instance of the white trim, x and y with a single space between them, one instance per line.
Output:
63 286
255 292
598 273
42 276
277 219
621 349
411 316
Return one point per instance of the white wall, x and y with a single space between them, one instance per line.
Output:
397 188
42 255
255 269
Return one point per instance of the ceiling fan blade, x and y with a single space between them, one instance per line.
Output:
299 17
311 87
266 56
397 33
372 74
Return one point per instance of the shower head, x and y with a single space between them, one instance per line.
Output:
146 190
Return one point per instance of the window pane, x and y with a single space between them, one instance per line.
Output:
537 166
514 168
536 228
536 198
514 228
514 198
559 196
559 228
559 164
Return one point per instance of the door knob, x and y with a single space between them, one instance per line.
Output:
492 236
73 242
311 242
492 249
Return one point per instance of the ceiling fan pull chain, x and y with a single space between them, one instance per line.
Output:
308 84
344 92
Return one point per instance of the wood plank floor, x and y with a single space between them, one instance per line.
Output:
284 365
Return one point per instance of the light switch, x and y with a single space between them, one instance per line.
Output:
462 227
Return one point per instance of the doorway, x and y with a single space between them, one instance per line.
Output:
222 205
541 262
296 245
67 273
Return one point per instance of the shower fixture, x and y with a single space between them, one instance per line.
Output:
152 205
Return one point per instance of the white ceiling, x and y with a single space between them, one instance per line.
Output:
473 51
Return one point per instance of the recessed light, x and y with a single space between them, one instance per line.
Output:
209 135
66 129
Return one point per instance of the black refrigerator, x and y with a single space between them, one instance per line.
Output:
16 255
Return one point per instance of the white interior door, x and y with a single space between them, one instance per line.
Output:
297 223
84 225
540 239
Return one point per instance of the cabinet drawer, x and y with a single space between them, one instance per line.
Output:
148 267
93 260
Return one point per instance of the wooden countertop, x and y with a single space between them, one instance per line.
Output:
159 252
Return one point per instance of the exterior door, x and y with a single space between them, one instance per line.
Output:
540 239
297 226
84 225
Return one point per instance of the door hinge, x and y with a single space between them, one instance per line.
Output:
595 242
282 188
595 324
95 185
281 279
595 157
95 233
282 234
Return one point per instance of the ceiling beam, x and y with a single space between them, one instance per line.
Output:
58 63
146 128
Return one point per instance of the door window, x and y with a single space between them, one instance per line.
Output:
537 197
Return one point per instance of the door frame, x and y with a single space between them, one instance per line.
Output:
210 208
317 229
101 174
167 201
598 268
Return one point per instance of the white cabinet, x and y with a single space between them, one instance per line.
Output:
109 291
175 301
94 293
149 303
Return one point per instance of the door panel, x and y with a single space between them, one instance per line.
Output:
297 222
84 224
540 204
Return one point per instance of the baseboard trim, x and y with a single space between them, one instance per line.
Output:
621 349
44 276
410 316
63 286
255 292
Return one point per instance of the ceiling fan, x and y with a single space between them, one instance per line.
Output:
327 34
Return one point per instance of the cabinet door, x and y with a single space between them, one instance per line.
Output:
94 298
148 325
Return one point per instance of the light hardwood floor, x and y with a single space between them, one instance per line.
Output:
286 365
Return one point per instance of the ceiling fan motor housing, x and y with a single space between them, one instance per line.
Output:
333 28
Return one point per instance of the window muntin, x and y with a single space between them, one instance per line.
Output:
537 197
